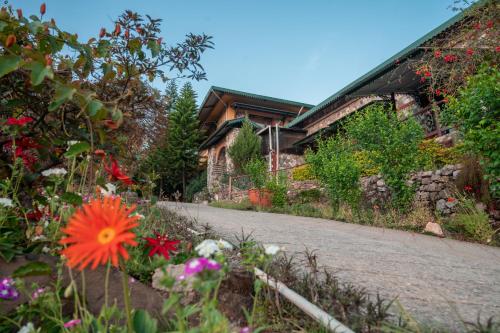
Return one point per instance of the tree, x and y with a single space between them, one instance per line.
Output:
183 138
246 147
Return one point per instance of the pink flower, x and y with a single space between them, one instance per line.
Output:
437 54
19 122
72 323
197 265
38 293
245 329
470 51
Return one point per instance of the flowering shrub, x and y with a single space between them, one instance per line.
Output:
302 172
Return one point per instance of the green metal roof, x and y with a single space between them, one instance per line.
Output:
254 96
382 68
223 129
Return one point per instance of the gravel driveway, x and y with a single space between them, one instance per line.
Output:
436 280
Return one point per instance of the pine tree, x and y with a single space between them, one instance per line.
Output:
183 139
246 146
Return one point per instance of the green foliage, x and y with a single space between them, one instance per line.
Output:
333 164
302 173
246 146
307 196
365 162
471 222
256 169
433 155
475 112
391 144
196 184
278 185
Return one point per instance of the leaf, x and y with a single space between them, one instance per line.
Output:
93 107
39 72
72 198
32 269
63 94
77 148
9 64
143 323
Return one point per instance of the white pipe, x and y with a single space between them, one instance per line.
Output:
277 148
270 149
310 309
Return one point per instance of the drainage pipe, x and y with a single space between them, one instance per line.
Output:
310 309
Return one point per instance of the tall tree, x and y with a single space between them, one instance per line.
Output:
246 147
183 139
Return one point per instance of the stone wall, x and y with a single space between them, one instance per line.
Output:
216 169
288 161
433 188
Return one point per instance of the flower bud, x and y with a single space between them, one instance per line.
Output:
11 40
43 8
19 13
48 60
118 29
102 33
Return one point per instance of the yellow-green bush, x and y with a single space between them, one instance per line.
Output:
433 155
302 172
365 162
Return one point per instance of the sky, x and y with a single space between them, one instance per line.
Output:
301 50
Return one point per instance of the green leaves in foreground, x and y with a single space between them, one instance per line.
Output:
77 148
32 269
143 323
9 64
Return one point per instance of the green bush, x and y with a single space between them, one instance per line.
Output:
433 155
279 187
307 196
302 172
246 146
471 222
366 163
197 184
256 169
333 164
390 143
475 112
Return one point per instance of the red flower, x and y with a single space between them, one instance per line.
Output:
35 215
489 24
470 51
438 92
115 172
19 122
449 58
111 124
427 74
450 199
418 72
497 49
422 79
468 188
161 245
437 54
100 152
118 29
477 26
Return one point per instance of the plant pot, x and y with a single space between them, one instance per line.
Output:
260 197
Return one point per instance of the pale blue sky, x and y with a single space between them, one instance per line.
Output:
293 49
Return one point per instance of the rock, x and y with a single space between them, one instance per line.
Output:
455 174
174 271
380 183
441 205
423 196
381 189
443 194
426 174
434 228
447 170
433 196
426 181
435 178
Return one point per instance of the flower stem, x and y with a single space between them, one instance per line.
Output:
126 298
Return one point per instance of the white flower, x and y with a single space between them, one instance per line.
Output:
222 244
45 249
28 328
271 250
6 202
210 247
109 190
207 248
54 171
72 142
138 214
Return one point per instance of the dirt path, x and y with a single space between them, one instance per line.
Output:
437 280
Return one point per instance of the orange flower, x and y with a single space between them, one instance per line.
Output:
98 232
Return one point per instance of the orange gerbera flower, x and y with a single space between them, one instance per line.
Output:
98 232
